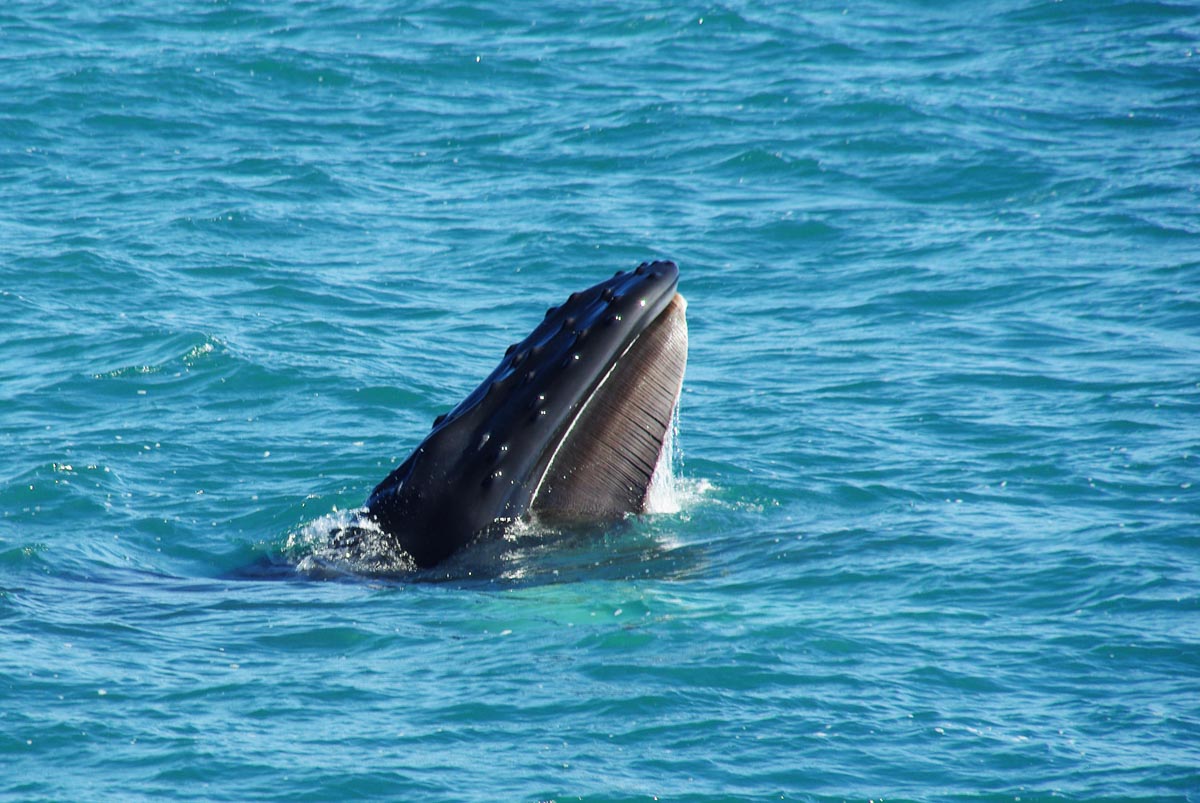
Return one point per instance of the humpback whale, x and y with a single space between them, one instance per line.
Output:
569 426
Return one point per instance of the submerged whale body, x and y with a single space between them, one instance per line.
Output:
569 426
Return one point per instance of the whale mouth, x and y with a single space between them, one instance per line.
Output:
606 457
570 425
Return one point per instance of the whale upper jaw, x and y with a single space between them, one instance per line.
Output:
570 424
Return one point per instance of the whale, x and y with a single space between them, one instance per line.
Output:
568 428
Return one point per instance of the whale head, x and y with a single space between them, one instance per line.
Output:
570 424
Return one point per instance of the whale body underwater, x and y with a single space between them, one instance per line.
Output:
569 427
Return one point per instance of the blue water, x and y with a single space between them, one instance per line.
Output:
938 478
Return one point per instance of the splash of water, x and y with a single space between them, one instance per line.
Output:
345 543
665 494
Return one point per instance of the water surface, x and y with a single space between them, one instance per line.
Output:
940 431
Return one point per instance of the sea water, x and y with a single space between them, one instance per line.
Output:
936 520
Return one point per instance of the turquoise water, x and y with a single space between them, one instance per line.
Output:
938 534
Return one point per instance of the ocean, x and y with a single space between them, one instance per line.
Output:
933 521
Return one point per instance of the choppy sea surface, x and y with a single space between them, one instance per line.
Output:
938 451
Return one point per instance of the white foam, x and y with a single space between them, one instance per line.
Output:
316 548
